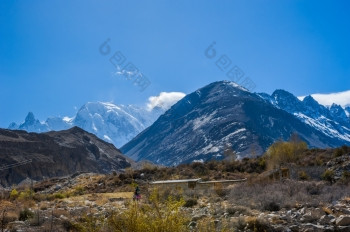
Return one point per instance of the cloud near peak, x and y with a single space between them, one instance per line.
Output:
164 100
340 98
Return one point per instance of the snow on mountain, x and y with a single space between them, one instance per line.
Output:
340 98
222 115
116 124
347 111
113 123
332 121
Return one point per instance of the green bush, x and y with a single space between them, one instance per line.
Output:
59 196
26 194
13 194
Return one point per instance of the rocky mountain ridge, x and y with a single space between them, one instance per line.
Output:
223 116
54 154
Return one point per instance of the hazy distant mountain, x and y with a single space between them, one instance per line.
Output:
116 124
223 115
55 154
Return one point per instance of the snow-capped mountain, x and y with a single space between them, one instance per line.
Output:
339 98
224 115
116 124
333 121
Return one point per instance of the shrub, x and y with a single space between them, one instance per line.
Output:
281 153
257 225
25 214
78 191
345 178
190 202
338 152
26 194
13 194
272 206
155 217
303 176
328 175
59 196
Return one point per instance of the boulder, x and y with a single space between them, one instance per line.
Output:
343 220
326 219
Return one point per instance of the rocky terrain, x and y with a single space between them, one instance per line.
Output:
94 202
54 154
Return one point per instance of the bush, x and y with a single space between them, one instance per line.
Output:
154 217
26 194
338 152
258 225
13 194
281 153
190 203
345 178
272 206
78 191
303 176
328 175
25 214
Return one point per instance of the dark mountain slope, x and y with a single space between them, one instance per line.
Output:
55 154
216 117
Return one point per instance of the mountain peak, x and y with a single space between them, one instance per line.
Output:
30 119
282 93
310 100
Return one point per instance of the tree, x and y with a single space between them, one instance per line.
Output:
281 153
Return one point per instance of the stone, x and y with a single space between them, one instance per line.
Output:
198 217
343 220
192 224
313 228
326 219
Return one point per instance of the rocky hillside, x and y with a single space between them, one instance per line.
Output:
220 116
55 154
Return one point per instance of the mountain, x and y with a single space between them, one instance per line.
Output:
347 111
339 98
221 116
333 122
55 154
116 124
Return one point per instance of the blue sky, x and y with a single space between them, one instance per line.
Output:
50 62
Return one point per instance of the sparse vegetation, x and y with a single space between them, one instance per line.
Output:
311 185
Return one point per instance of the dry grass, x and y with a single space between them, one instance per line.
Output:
287 194
99 199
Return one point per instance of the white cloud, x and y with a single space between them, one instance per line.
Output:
340 98
164 100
